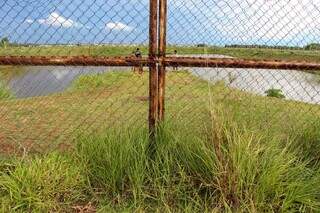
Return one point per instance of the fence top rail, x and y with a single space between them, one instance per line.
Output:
241 63
168 61
72 61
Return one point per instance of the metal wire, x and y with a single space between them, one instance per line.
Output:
57 59
71 66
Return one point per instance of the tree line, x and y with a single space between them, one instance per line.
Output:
4 42
312 46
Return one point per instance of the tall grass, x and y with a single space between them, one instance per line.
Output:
307 142
224 169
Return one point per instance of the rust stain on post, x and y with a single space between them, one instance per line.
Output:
162 55
153 74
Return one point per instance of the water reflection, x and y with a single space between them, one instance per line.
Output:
295 85
30 81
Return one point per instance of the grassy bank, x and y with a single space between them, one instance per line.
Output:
220 149
116 50
117 98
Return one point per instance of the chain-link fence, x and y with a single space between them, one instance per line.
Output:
84 82
250 61
71 66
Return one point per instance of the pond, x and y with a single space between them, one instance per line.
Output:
31 81
295 85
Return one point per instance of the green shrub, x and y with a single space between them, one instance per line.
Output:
276 93
312 46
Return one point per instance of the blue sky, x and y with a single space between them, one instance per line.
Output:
215 22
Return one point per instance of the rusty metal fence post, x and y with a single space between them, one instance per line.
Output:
162 54
153 70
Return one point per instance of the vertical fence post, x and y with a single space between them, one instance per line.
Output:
153 71
162 55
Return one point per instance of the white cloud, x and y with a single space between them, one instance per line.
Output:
269 20
60 74
56 20
118 26
29 21
257 20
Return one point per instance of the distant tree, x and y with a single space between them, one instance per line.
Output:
262 46
4 42
312 46
201 45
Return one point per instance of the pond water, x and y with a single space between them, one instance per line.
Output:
295 85
31 81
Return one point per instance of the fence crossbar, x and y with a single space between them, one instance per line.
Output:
167 61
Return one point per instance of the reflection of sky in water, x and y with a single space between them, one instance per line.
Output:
33 81
60 74
44 80
295 85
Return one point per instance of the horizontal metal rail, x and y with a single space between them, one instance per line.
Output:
167 61
240 63
72 61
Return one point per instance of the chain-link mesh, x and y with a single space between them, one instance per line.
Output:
255 61
238 58
43 108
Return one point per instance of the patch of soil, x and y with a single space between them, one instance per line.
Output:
7 148
64 147
142 98
89 208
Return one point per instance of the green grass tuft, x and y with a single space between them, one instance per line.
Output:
47 183
4 92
